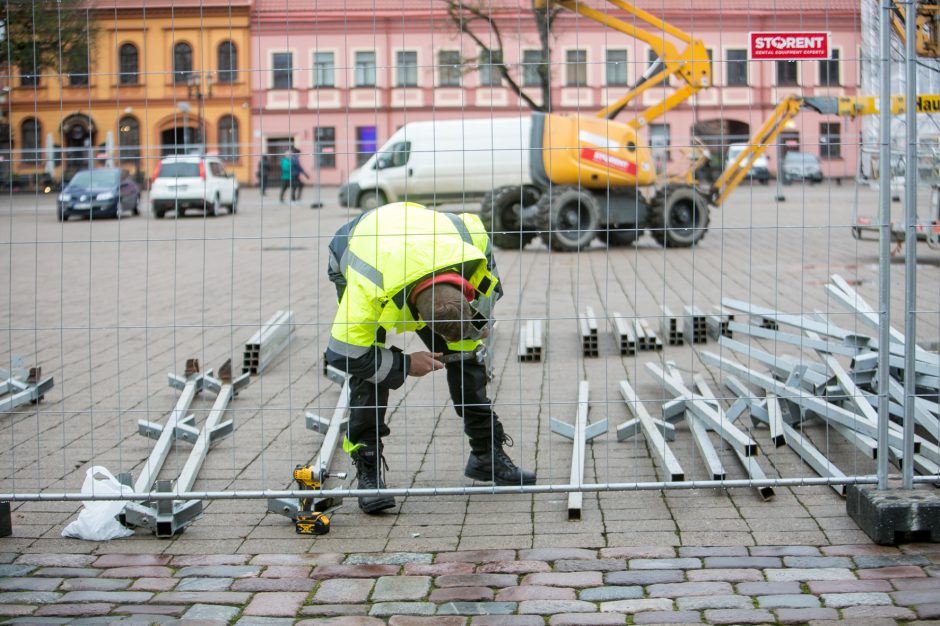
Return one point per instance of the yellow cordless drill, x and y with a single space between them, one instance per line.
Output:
310 521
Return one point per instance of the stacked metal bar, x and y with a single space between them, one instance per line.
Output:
670 328
269 341
530 341
694 326
718 323
646 337
624 334
587 324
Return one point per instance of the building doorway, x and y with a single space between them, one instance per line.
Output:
78 144
180 140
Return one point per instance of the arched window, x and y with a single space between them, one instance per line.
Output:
129 139
128 64
182 63
228 138
228 62
31 152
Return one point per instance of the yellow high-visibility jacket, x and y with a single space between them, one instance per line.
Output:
376 259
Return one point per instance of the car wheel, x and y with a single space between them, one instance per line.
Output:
157 213
213 208
62 214
233 208
371 200
136 209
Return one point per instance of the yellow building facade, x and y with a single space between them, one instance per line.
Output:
163 78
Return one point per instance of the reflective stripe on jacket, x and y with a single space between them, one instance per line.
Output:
376 258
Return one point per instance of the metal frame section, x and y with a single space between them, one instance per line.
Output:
646 337
718 323
530 341
624 334
580 433
693 324
333 429
178 426
17 392
268 342
669 327
587 324
653 430
800 341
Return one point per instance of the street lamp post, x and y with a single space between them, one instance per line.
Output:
185 108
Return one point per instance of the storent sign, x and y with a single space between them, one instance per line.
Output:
789 45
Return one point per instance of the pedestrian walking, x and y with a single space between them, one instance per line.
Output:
296 171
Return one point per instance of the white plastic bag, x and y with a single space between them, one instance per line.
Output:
97 520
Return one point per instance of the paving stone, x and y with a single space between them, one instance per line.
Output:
29 584
202 597
10 610
813 573
727 575
768 588
131 560
476 580
699 603
788 601
870 611
604 594
211 612
271 584
84 609
676 590
637 605
204 584
860 549
557 554
142 571
94 584
414 620
477 608
848 586
802 616
784 551
343 621
518 567
464 594
219 571
153 584
929 610
343 590
205 560
839 600
389 558
257 620
394 588
899 571
667 617
553 607
114 597
817 561
535 592
738 616
275 603
29 597
749 562
439 569
890 560
306 559
641 552
354 571
909 584
564 579
286 571
587 619
71 572
335 610
914 597
507 620
478 556
701 552
588 565
644 577
56 560
149 609
657 564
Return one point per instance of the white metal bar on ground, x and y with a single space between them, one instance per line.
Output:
578 435
268 342
672 470
705 447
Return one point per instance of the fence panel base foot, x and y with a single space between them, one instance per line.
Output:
893 516
6 522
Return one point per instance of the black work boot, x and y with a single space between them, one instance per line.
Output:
369 474
494 465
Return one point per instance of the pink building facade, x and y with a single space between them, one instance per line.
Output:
335 79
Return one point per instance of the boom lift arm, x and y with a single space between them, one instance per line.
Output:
928 26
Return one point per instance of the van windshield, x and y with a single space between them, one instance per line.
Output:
395 155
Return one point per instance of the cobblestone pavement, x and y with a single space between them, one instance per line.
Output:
109 308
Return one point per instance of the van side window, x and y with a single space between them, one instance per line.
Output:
396 156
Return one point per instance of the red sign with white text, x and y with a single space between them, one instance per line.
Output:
608 160
786 45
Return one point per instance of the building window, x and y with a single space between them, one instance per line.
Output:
128 64
736 68
787 73
182 63
78 69
448 68
616 67
406 68
323 69
128 139
282 71
490 62
365 143
365 69
228 62
228 138
532 61
830 140
324 146
32 141
829 70
576 68
29 77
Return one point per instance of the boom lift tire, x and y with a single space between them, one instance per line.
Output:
568 218
680 220
619 236
501 213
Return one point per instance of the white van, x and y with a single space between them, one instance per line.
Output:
760 170
443 161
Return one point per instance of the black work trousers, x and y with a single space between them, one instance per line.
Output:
467 383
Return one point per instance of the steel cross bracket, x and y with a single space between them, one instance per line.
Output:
580 434
17 392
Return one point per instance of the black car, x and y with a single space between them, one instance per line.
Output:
101 192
